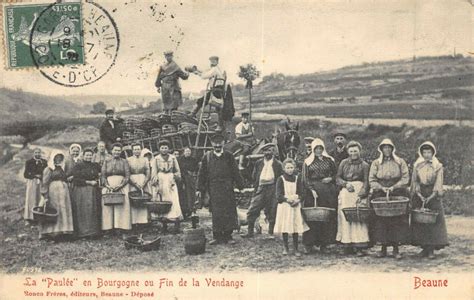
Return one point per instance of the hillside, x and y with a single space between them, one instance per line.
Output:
18 105
427 78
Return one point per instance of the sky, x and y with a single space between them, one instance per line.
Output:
289 37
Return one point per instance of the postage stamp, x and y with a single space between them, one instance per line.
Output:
101 40
43 35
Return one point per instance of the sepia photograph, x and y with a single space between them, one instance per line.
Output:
251 149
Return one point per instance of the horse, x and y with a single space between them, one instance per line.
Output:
287 141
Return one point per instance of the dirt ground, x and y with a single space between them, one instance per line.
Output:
20 248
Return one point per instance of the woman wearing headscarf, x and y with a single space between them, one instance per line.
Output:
389 173
86 196
150 159
74 157
101 155
353 177
319 172
55 192
115 175
33 174
427 187
165 174
139 177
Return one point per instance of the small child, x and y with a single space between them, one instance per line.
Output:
289 219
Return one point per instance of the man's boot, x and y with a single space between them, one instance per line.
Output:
251 225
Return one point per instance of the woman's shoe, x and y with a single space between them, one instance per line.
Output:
423 253
285 251
383 252
323 249
396 253
431 254
361 253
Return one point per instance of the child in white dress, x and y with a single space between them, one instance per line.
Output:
289 220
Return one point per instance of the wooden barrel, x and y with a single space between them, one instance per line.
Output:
194 241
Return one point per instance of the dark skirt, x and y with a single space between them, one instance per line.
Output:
321 233
429 235
85 208
390 230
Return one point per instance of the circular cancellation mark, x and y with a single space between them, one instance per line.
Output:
98 41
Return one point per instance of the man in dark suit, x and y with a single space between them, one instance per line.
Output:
265 174
109 129
339 153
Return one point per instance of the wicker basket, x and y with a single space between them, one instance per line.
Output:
137 242
318 214
113 198
139 198
424 215
390 206
357 214
45 214
159 207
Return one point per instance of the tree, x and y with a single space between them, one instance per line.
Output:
249 73
98 108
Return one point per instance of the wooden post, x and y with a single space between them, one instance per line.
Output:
250 103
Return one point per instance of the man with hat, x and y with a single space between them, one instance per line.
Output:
218 175
340 152
213 74
167 83
265 174
109 129
302 156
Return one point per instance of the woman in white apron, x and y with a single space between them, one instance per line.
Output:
353 177
139 178
165 174
115 176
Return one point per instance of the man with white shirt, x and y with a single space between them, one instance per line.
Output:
245 139
212 74
265 174
109 129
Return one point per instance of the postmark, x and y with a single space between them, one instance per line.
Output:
100 47
31 42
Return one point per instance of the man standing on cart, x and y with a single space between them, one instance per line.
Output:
215 88
167 83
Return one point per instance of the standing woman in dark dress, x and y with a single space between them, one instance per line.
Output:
389 173
427 187
86 196
72 159
319 172
189 167
33 174
55 192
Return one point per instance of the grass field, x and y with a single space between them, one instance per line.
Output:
413 110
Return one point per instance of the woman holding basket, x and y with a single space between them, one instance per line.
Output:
427 189
115 177
55 192
139 177
165 174
319 172
353 177
389 175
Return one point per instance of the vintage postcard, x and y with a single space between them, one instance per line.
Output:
251 149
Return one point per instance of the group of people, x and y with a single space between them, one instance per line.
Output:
74 183
341 180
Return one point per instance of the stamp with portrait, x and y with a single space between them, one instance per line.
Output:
38 35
